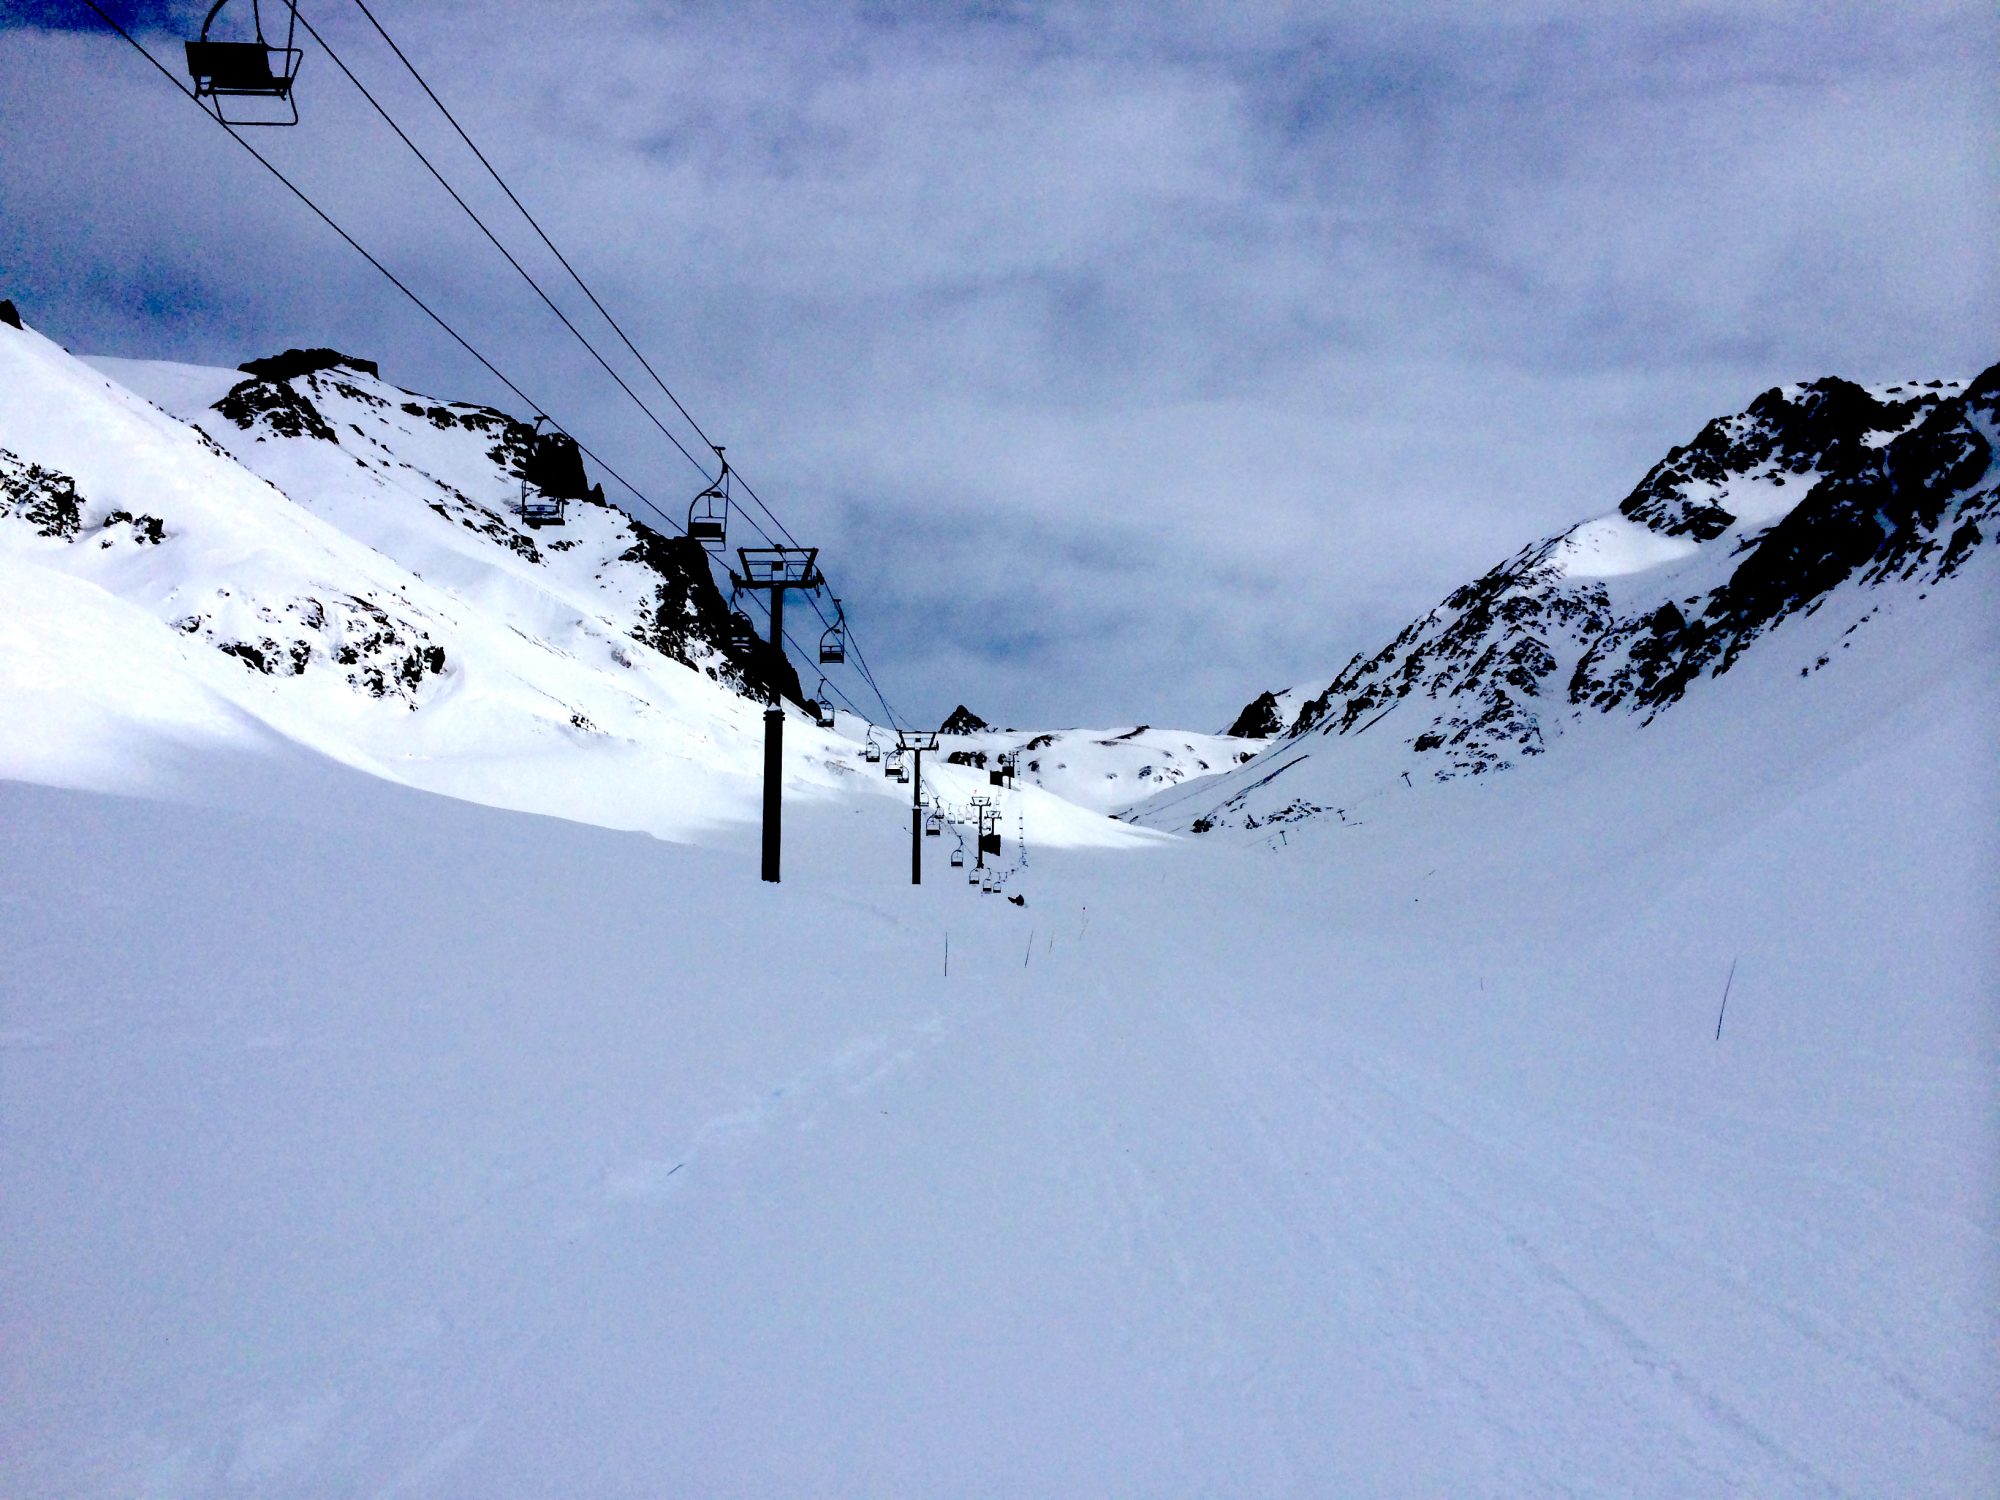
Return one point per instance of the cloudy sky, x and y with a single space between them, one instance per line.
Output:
1124 360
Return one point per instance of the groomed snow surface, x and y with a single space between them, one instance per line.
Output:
360 1140
364 1142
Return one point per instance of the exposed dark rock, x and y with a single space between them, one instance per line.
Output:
279 407
45 499
687 612
9 314
1259 719
1503 661
383 654
555 467
296 362
1888 515
147 531
1822 429
962 720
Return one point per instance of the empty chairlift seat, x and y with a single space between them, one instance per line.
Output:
708 513
552 475
257 68
833 640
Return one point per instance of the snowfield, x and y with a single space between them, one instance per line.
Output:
431 1101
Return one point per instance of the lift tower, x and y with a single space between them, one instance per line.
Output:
988 814
776 570
915 744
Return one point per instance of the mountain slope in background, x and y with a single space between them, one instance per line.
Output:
377 606
299 549
328 431
1101 769
1824 500
367 1141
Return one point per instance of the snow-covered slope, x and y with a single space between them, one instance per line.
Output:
303 552
1781 530
364 1142
454 664
438 486
1628 1127
1101 769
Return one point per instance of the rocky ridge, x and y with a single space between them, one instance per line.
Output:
1763 516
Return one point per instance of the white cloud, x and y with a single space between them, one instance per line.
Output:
1126 360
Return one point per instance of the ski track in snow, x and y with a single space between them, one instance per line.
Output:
362 1141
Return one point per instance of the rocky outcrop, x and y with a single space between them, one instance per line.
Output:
1758 519
321 395
1260 719
296 362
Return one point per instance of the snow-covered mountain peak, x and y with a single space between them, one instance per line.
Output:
441 483
1814 492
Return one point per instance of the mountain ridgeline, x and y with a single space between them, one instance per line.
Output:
1818 496
323 396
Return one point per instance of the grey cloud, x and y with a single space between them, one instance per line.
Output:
1125 360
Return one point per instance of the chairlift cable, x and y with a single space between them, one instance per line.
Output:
584 286
563 260
458 338
389 275
533 285
595 301
535 224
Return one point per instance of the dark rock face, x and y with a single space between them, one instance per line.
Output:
1894 487
962 720
686 611
145 531
9 314
1823 429
277 406
381 654
1907 510
1259 719
554 466
681 614
295 362
44 499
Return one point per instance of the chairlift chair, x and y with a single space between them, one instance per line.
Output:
872 754
538 507
708 514
833 640
822 707
934 826
958 858
257 69
742 629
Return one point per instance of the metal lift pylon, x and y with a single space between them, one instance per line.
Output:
776 571
916 744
